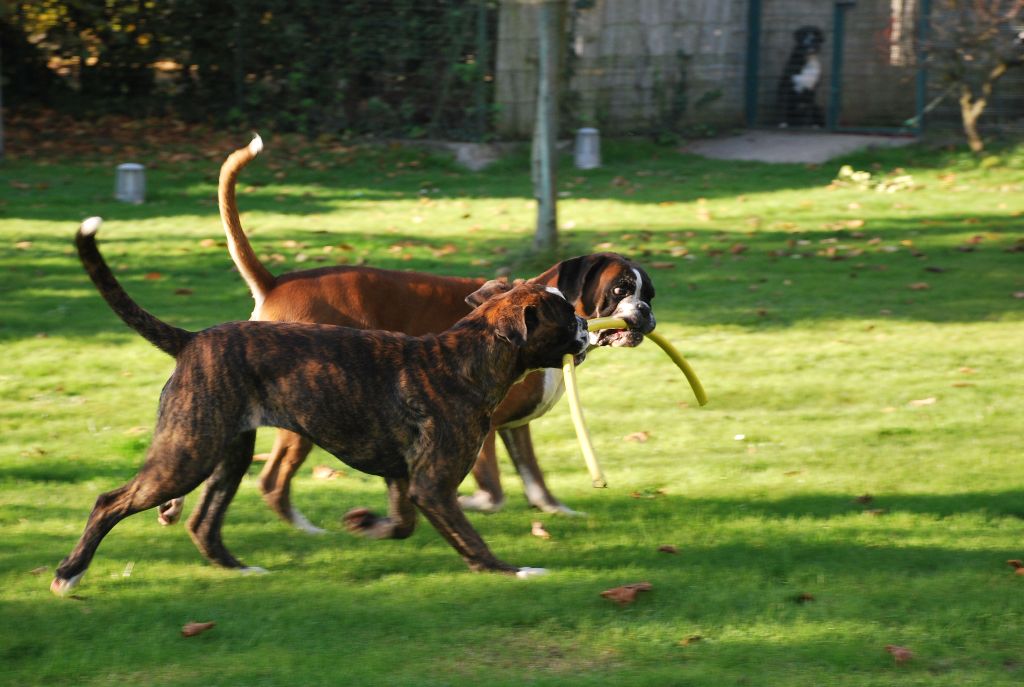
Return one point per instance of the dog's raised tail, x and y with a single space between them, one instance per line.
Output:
259 279
168 339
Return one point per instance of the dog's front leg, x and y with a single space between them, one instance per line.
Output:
441 508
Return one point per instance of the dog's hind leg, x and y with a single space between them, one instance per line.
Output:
153 485
286 457
205 523
401 519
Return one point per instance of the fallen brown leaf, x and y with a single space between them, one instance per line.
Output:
919 286
668 548
917 403
38 571
900 654
537 530
803 597
637 436
692 639
153 276
864 498
1016 564
183 292
191 629
626 594
877 511
208 243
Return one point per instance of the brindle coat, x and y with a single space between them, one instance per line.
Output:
413 410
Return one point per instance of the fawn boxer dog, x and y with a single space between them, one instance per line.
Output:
598 285
413 410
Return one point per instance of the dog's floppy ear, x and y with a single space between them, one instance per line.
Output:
488 291
516 326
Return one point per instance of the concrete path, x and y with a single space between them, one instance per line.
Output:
790 146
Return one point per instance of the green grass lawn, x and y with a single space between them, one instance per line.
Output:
854 343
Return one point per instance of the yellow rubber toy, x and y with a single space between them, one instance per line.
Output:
600 323
573 392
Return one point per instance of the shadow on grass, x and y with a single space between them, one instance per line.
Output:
774 282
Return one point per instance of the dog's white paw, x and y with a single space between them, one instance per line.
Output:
301 522
524 573
61 586
253 570
481 502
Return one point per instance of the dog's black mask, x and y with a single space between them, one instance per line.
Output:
809 39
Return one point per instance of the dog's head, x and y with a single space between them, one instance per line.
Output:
607 285
809 39
537 319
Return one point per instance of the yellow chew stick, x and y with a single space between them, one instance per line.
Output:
670 350
573 392
582 433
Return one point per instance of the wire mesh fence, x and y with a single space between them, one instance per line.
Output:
466 69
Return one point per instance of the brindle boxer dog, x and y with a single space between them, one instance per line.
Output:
413 410
601 285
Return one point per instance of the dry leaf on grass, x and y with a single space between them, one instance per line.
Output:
648 494
803 597
692 639
537 530
900 654
325 472
626 594
192 628
918 403
668 548
183 292
153 276
38 571
864 498
637 436
919 286
1017 565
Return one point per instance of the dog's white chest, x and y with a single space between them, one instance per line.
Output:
554 387
807 79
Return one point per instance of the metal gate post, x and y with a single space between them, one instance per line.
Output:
835 95
753 60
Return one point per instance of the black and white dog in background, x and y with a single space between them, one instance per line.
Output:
800 79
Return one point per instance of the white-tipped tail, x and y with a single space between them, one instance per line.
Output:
256 145
91 225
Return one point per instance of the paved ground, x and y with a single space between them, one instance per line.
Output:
790 146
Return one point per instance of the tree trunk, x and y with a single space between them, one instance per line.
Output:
550 29
970 111
971 106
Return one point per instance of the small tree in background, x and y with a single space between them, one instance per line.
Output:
972 45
